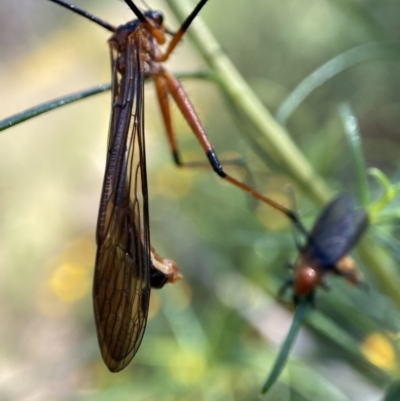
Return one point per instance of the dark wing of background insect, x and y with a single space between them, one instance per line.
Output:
121 289
337 230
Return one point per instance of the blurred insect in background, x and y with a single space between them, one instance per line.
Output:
336 231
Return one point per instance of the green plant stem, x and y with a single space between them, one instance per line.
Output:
283 354
51 105
272 138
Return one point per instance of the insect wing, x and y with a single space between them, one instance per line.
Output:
336 231
121 289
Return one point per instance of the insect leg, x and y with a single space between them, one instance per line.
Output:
177 92
285 286
296 237
180 32
163 100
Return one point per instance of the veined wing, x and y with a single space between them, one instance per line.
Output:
336 231
121 289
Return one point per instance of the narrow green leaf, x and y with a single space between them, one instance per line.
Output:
51 105
287 344
335 66
352 132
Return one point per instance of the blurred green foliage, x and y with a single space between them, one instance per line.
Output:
214 336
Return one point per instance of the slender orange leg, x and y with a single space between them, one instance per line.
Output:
163 99
162 96
166 84
181 31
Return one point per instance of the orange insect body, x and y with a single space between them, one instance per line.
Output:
151 35
308 275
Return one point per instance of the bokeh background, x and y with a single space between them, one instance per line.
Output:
214 335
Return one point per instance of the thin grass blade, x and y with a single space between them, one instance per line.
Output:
51 105
287 345
352 132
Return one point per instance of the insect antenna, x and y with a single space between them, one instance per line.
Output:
136 11
85 14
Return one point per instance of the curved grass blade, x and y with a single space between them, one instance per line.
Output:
287 345
352 132
51 105
335 66
390 191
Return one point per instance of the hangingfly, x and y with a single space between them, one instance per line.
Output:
126 264
335 233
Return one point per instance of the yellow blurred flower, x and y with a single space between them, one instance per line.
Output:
378 350
69 277
70 282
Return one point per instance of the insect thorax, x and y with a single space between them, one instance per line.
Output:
135 36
